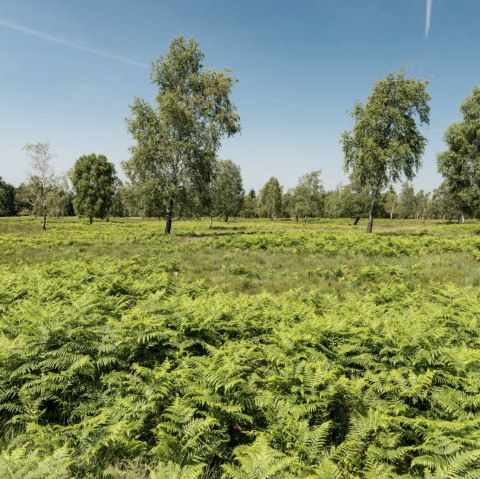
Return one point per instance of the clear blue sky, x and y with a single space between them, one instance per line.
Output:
70 69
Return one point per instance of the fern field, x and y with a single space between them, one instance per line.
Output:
126 354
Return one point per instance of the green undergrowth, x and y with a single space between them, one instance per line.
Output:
119 370
254 350
21 240
262 256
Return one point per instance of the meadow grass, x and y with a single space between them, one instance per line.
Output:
227 256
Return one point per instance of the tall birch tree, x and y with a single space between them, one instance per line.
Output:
385 143
40 189
177 139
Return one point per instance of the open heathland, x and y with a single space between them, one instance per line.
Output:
255 349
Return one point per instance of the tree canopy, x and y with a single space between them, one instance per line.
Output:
7 199
227 189
460 164
347 201
309 195
250 204
93 179
270 199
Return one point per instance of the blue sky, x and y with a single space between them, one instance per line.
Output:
70 70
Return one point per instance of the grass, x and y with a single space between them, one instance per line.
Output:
253 256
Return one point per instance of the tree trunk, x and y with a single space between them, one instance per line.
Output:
168 219
226 218
391 210
211 221
305 219
357 219
91 219
44 222
370 215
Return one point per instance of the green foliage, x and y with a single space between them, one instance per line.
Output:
445 203
309 196
270 199
22 463
351 200
250 204
7 199
226 189
259 461
460 163
128 369
93 180
143 375
407 207
347 243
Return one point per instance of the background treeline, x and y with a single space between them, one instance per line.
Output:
227 199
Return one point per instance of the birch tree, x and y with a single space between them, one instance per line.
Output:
40 190
385 143
177 139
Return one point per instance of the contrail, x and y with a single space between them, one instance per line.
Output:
429 16
65 43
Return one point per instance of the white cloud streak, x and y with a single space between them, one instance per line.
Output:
50 38
428 17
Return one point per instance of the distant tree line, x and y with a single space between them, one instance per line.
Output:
93 190
174 171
